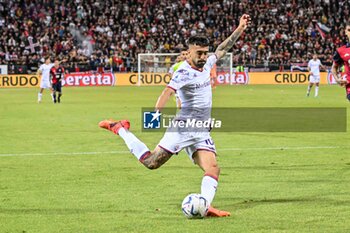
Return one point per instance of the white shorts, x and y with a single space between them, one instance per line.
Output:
45 83
174 142
314 78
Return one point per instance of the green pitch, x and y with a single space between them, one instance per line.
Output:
60 173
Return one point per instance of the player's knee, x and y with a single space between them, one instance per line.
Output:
213 169
348 97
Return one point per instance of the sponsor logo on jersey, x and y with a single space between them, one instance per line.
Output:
202 85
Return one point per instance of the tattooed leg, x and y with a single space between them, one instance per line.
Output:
156 158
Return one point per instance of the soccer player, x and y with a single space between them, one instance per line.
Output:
56 75
44 71
314 69
179 60
342 57
192 82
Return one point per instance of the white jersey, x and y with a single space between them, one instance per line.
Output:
314 66
194 88
45 69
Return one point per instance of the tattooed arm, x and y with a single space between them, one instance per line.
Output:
225 46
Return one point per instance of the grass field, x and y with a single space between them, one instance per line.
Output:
60 173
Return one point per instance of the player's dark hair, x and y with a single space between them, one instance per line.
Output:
347 23
198 40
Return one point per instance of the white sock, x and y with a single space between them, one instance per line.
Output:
308 90
208 188
52 96
135 146
316 91
40 96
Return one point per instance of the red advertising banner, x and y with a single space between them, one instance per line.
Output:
88 79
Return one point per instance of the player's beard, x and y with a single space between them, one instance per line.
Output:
200 64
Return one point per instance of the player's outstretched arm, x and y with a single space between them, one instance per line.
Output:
225 46
163 98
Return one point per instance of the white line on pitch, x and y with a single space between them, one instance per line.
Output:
222 149
285 148
68 153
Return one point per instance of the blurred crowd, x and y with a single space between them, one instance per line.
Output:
110 33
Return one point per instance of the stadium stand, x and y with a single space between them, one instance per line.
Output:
109 34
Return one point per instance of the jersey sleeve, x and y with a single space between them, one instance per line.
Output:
211 61
41 68
337 58
180 78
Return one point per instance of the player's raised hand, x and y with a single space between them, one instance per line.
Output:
244 21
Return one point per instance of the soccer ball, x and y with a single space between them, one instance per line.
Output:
195 206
